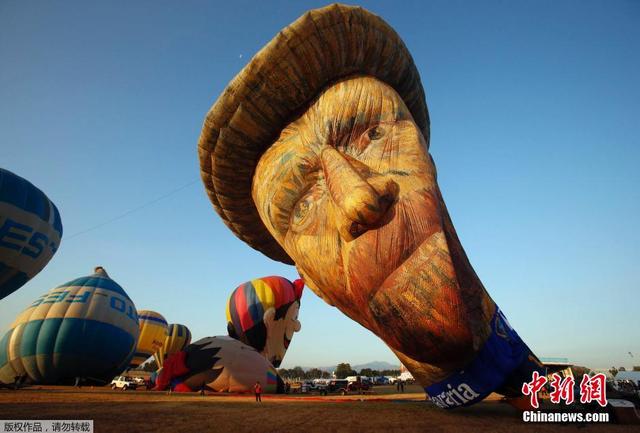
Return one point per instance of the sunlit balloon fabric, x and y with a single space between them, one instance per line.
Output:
153 329
221 364
85 328
177 338
317 154
30 231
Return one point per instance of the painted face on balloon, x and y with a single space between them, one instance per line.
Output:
280 331
349 191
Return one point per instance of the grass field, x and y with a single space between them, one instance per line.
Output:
384 411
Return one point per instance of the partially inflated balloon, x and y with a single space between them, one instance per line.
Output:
221 364
85 328
263 313
153 328
30 231
325 164
177 338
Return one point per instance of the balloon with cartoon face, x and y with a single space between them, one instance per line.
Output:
263 313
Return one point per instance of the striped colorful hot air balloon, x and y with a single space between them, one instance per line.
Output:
30 231
177 338
153 328
86 328
265 307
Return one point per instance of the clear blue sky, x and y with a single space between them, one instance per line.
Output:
535 110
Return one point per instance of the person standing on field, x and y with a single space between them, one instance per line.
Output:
257 388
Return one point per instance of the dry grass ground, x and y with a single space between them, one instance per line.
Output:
143 411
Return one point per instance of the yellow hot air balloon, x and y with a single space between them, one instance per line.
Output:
153 328
177 338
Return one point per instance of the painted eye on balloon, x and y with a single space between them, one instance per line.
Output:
302 211
305 213
376 133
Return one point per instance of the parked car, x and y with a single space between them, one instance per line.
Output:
381 380
344 387
357 387
123 382
140 381
335 385
294 387
361 379
307 386
320 384
315 385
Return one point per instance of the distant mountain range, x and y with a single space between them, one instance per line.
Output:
374 365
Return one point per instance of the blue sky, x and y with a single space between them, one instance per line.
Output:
535 132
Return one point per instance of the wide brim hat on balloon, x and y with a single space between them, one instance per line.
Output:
279 83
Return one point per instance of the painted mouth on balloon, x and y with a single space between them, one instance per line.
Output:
287 342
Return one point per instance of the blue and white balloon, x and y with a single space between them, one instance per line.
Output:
30 231
86 328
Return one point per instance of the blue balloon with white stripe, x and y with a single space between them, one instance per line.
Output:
30 231
86 328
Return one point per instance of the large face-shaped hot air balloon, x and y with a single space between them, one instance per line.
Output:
153 329
317 154
177 338
221 364
86 328
263 313
30 231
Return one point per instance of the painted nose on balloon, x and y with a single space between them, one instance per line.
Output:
363 201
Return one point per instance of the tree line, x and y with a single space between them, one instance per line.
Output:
615 371
342 370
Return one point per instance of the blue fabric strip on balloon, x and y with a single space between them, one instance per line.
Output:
503 353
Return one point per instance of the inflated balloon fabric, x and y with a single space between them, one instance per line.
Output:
263 313
86 328
276 85
153 329
248 303
30 231
177 338
317 154
221 364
